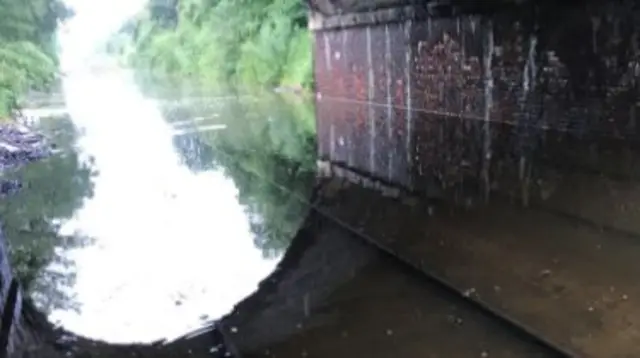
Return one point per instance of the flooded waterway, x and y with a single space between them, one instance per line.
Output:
152 224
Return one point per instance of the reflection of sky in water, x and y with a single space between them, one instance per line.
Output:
164 234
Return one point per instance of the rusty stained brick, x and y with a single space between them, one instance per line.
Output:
358 119
565 94
379 88
374 136
331 84
442 67
447 99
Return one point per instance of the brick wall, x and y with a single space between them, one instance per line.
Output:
490 101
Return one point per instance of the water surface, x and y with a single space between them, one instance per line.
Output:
158 214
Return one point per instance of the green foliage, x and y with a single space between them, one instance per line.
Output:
53 189
27 47
265 142
22 66
276 147
223 43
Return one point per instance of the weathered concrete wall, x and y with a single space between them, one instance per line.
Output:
483 100
333 7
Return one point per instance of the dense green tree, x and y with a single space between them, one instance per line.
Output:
267 142
222 43
27 47
53 189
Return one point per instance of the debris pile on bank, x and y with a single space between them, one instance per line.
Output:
20 145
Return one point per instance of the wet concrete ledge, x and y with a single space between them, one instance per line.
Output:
573 283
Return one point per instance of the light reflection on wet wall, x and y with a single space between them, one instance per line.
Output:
489 103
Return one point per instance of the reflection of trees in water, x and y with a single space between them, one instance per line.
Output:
274 138
53 189
194 153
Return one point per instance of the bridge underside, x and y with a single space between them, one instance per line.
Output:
486 103
342 7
